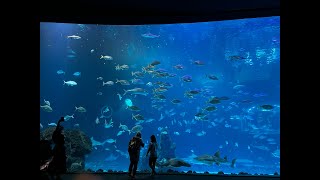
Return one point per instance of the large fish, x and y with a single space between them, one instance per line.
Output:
108 58
208 159
46 108
70 83
73 37
135 129
97 143
149 35
173 162
136 91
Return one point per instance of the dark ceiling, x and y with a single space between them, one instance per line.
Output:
154 11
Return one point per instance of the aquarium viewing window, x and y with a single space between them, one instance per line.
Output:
208 91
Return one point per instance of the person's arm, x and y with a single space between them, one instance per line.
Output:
129 146
142 144
149 148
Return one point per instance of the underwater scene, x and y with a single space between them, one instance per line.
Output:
208 91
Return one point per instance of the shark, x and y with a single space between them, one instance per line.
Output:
111 157
208 159
173 162
97 143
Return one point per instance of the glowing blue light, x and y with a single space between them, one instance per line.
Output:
128 102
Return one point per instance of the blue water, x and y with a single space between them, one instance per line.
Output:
239 127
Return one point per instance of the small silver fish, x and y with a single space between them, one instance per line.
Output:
111 141
46 102
120 132
52 124
97 120
120 97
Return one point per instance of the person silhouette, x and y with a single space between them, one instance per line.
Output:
134 147
58 164
153 146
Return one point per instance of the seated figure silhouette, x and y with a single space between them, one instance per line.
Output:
45 154
45 158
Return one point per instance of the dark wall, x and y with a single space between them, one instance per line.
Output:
124 176
154 12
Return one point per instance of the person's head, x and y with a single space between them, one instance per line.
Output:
153 138
138 134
